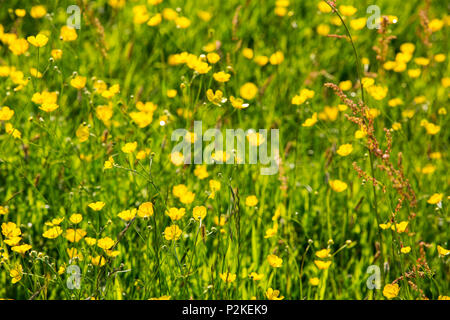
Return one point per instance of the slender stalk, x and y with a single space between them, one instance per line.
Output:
359 73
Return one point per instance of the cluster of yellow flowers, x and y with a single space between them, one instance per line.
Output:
103 125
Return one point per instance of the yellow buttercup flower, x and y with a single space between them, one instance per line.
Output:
271 232
345 85
109 164
53 233
35 73
274 261
220 221
421 61
367 82
310 121
96 206
38 41
182 22
256 276
18 46
105 243
323 29
155 20
169 14
276 58
54 222
273 294
391 291
199 212
49 107
73 253
442 251
435 25
408 113
215 97
414 73
21 249
38 12
98 261
344 150
324 253
45 97
214 185
227 277
78 82
111 253
10 230
400 227
280 11
4 210
179 190
261 60
440 57
12 242
145 210
248 91
20 12
248 53
385 226
201 172
395 102
377 92
204 15
314 281
142 119
6 113
407 47
117 4
16 273
129 147
255 138
127 215
238 103
389 65
172 233
322 265
221 76
432 129
82 132
406 249
338 185
358 24
329 113
176 213
140 14
171 93
75 235
324 7
187 197
57 54
435 198
68 34
213 57
177 158
428 169
251 201
12 131
90 241
76 218
347 10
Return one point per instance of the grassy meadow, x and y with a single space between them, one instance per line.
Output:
95 205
